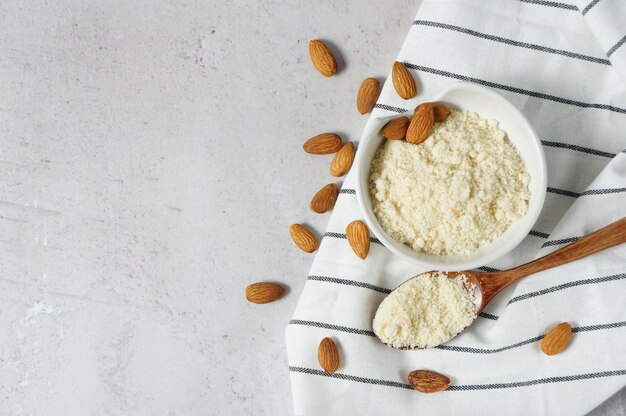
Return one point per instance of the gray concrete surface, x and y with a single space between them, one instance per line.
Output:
150 166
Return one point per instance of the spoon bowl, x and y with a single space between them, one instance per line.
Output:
473 286
484 286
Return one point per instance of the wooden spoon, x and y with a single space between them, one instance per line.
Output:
488 285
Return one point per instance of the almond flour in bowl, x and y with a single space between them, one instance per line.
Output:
457 191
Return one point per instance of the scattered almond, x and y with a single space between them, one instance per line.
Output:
396 128
303 237
402 80
359 238
325 198
428 381
322 144
367 95
322 58
557 339
264 292
342 162
421 125
328 355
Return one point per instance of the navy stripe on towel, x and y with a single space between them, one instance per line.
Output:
333 327
457 348
343 236
547 380
347 282
559 242
347 191
567 285
604 191
538 234
576 148
516 90
390 108
342 376
487 269
511 41
616 46
489 316
552 4
587 192
460 387
589 6
563 192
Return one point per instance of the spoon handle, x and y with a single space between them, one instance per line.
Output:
609 236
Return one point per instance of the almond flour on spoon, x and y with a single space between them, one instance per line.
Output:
458 190
425 311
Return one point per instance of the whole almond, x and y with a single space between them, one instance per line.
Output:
440 111
342 161
328 355
396 128
367 95
359 238
557 339
421 125
264 292
402 80
303 237
325 198
322 144
322 58
428 381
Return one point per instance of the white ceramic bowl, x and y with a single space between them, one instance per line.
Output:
488 104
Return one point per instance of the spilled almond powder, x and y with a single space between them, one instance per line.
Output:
426 311
458 190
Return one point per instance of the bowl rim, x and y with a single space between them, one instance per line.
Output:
373 127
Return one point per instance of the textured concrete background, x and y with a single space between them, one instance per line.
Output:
150 165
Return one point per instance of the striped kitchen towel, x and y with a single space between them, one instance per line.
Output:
563 64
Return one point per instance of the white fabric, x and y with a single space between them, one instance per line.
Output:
606 18
544 58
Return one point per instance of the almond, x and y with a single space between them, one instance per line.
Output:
396 128
328 355
359 238
428 381
322 144
367 95
322 58
402 80
264 292
325 198
303 237
440 111
557 339
421 125
343 160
